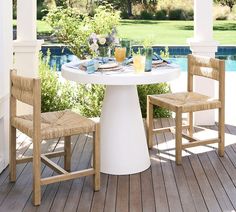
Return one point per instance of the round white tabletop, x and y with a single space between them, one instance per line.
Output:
123 141
127 77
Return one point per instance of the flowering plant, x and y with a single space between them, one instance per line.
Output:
98 43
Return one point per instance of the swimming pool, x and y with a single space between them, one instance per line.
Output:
178 55
230 64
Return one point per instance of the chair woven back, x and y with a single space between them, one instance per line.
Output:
209 68
26 90
22 88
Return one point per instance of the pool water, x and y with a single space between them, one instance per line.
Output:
61 55
181 60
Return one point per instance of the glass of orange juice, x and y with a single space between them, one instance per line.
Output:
120 54
139 63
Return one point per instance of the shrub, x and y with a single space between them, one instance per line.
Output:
91 96
137 9
161 14
146 15
124 14
144 90
55 94
41 11
176 14
221 12
90 99
188 14
165 54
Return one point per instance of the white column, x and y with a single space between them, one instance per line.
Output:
6 60
26 47
26 20
203 44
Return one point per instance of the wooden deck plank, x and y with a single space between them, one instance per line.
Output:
45 173
148 200
49 192
182 183
232 130
98 202
170 182
22 140
191 193
19 194
157 174
135 194
5 186
99 197
77 185
204 182
215 183
86 195
221 167
64 188
226 182
207 193
110 201
196 194
122 199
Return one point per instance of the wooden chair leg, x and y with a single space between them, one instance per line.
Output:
67 149
190 122
178 137
221 132
36 171
149 124
12 147
96 157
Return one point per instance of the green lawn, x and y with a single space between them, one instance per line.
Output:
174 32
166 32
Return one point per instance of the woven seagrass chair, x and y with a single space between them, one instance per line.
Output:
189 102
43 126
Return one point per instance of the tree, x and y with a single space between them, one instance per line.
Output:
229 3
129 5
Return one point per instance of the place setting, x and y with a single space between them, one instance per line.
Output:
124 59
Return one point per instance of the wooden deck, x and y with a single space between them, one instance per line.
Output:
204 182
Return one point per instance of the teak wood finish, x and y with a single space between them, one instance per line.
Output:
189 102
39 126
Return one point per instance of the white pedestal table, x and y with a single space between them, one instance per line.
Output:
123 141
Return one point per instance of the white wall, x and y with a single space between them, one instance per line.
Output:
6 60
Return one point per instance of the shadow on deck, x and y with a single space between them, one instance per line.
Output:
204 182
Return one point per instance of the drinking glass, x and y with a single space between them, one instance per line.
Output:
148 64
139 63
127 44
120 54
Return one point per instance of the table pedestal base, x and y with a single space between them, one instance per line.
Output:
123 141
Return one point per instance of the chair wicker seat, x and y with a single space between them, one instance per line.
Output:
46 126
187 101
55 124
190 102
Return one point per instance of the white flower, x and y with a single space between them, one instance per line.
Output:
93 36
116 40
102 40
94 47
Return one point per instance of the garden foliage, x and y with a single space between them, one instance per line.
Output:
90 99
73 28
55 94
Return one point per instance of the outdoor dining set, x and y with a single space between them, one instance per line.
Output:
120 146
